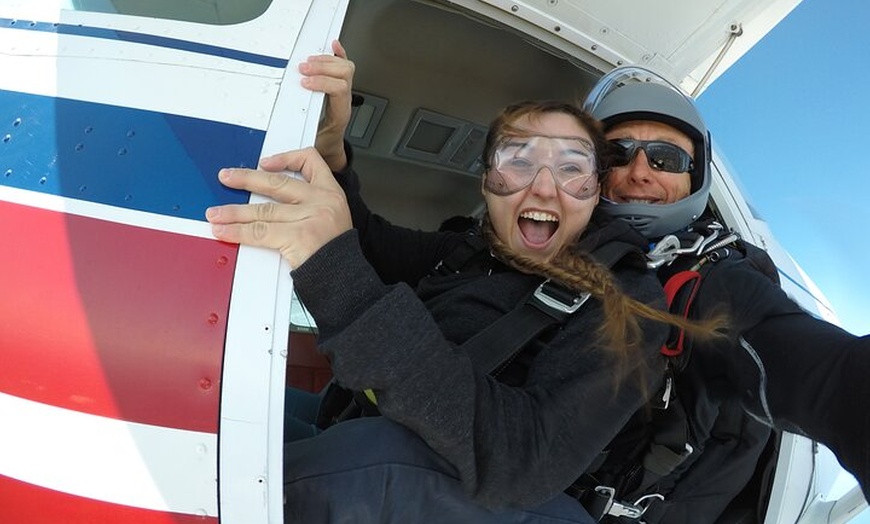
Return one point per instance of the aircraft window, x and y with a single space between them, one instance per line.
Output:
301 320
430 137
217 12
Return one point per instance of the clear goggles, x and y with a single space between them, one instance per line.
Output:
661 156
517 161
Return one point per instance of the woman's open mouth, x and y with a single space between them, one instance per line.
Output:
537 227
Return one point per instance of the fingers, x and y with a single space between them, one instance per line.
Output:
276 177
338 49
286 161
338 89
295 240
250 213
332 75
305 214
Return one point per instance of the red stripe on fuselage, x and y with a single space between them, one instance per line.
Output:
113 320
22 503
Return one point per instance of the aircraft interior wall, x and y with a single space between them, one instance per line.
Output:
449 64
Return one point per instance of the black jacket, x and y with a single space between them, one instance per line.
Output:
785 368
792 370
512 445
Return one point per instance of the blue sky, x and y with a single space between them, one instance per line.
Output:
793 118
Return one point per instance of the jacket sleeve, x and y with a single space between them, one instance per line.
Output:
512 446
797 372
815 382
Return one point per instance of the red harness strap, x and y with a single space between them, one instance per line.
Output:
677 282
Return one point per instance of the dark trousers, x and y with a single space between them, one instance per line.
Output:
300 412
373 470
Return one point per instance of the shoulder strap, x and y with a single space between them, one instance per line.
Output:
549 305
614 251
680 290
471 247
494 347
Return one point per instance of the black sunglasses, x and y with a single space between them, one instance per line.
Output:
661 156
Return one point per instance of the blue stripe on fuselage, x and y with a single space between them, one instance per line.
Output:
130 158
142 38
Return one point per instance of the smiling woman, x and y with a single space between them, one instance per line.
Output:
541 182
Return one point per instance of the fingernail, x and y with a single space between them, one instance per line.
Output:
217 229
212 212
224 174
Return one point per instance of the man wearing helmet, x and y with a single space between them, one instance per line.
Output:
778 362
667 189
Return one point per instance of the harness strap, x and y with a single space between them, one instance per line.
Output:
680 305
494 347
462 255
612 252
549 305
597 503
670 445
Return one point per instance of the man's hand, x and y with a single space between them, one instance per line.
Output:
305 214
332 75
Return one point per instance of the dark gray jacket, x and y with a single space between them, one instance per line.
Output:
512 445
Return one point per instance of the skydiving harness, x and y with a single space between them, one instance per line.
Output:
494 348
681 287
551 304
681 260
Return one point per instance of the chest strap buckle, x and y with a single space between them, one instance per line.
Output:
558 298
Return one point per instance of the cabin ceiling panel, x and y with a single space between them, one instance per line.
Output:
679 39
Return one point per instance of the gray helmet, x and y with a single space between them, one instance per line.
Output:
634 93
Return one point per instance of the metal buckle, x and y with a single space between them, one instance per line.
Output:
666 396
558 305
669 247
615 508
646 501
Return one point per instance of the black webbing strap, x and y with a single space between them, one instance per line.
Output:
612 252
669 447
548 305
597 504
471 247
